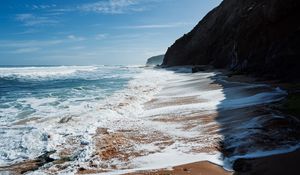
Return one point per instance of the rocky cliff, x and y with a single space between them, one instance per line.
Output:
156 60
260 37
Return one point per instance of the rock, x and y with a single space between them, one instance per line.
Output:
28 165
196 69
65 119
156 60
84 142
81 169
241 165
258 37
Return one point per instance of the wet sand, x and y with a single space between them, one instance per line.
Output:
197 168
278 164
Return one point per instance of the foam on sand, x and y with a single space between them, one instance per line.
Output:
140 127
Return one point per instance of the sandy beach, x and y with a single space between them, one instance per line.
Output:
194 124
278 164
150 87
197 168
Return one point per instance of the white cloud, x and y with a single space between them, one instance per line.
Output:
26 46
156 26
77 48
100 36
31 46
113 6
28 31
26 50
28 43
75 38
31 20
100 6
41 7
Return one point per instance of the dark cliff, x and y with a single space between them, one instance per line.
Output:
260 37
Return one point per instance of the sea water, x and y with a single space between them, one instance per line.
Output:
30 97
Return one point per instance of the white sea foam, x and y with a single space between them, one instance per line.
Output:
42 72
86 113
168 159
257 154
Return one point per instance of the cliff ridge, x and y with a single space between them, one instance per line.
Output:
259 37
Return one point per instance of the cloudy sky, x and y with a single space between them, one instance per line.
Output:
85 32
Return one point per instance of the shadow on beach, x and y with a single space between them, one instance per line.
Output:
251 126
254 131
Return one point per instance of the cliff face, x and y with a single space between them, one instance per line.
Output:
260 37
156 60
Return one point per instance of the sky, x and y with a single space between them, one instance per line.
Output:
93 32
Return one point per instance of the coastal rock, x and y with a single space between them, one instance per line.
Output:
65 119
199 68
156 60
259 37
29 165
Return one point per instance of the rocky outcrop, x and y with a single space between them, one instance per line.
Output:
156 60
259 37
28 165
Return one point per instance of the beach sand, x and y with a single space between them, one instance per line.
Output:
279 164
178 121
197 168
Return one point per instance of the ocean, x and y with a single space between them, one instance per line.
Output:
126 118
32 97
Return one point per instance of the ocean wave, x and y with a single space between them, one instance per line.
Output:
85 107
41 73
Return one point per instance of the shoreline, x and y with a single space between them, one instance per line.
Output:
196 168
273 164
184 123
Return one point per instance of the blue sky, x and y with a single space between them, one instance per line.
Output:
85 32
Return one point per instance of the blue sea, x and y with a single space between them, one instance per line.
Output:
35 100
57 87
